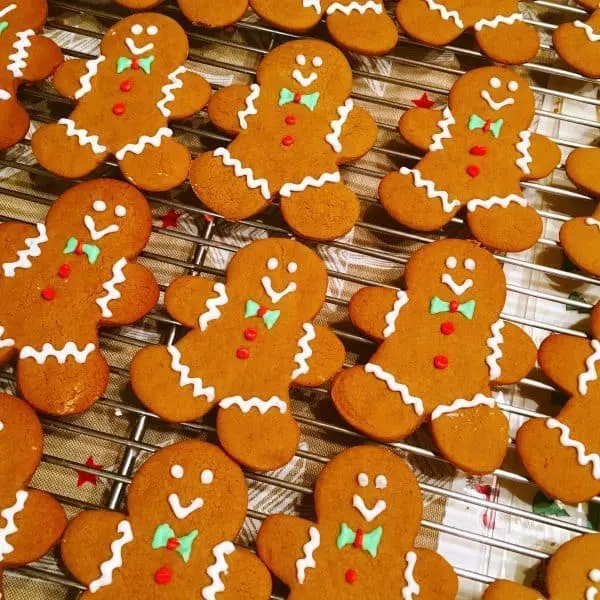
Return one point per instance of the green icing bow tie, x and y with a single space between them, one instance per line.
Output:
466 309
3 26
74 246
145 64
476 122
164 537
254 309
308 100
369 542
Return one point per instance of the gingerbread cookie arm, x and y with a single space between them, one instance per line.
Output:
190 93
418 126
374 311
326 358
247 578
12 239
224 107
45 56
67 78
513 353
444 586
358 133
502 590
187 298
539 155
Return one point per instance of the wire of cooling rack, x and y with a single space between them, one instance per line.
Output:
255 41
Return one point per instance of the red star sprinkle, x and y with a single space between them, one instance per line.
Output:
170 219
88 477
424 101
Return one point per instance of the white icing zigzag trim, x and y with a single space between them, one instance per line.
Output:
250 108
83 136
592 221
390 318
316 4
472 205
412 588
333 138
241 171
86 78
523 149
18 60
447 15
355 6
444 125
419 182
308 561
167 90
215 570
212 311
261 405
478 400
6 343
185 379
566 440
510 20
145 140
61 354
589 32
590 374
111 291
9 514
394 386
305 351
108 567
289 188
33 250
493 344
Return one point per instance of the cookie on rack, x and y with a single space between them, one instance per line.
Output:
125 100
562 454
61 280
31 521
252 337
478 151
369 509
578 43
362 26
292 129
442 348
185 506
573 572
495 22
26 57
580 237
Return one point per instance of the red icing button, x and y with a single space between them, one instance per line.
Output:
290 120
351 576
126 85
478 151
250 334
118 109
172 544
440 362
288 140
64 271
454 305
297 97
163 576
472 170
447 328
242 353
48 294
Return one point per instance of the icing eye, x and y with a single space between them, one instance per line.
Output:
152 30
1 426
177 471
513 86
363 479
470 264
120 210
272 264
381 482
301 59
317 61
292 267
137 29
207 477
99 206
595 575
495 82
451 262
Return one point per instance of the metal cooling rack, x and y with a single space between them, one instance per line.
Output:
417 58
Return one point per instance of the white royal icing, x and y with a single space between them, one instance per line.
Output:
592 221
461 403
9 514
135 50
523 149
212 306
496 105
589 32
304 81
333 138
368 514
70 349
5 95
240 171
185 379
145 140
7 9
207 477
18 60
262 406
392 315
504 201
277 296
108 567
183 512
493 23
582 457
112 293
5 342
493 344
590 374
458 289
308 560
447 15
444 125
316 4
394 386
167 90
85 82
412 588
83 136
250 109
360 7
591 593
289 188
447 205
215 570
305 353
32 250
98 234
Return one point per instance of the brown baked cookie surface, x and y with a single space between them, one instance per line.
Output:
252 337
293 128
562 454
185 506
125 100
573 574
440 22
442 348
31 521
24 57
478 151
61 280
369 509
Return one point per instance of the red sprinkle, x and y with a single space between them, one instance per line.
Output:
163 576
358 540
454 305
64 271
478 151
48 293
351 576
135 65
472 170
288 140
79 249
440 362
290 120
447 328
118 109
262 311
486 126
297 97
172 544
242 353
250 334
126 85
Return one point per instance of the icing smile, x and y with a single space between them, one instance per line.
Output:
95 233
458 289
183 512
368 513
277 296
496 105
135 50
304 81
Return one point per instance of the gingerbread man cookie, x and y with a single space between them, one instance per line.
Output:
62 279
369 510
31 521
125 99
252 338
478 151
25 57
573 574
495 22
443 347
293 128
562 454
185 505
361 26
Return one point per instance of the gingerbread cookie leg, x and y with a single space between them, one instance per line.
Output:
444 586
578 44
429 21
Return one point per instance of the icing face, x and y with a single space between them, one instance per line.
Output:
291 287
182 510
495 83
458 289
99 206
593 591
358 502
297 74
142 34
